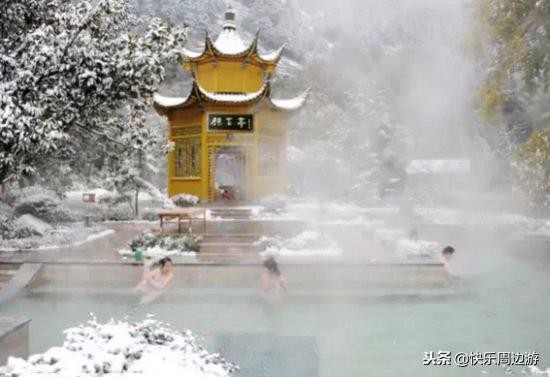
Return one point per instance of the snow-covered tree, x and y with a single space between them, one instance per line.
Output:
532 166
76 79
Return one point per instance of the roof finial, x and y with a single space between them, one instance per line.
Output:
229 21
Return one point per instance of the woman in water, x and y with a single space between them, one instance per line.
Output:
445 258
272 282
156 280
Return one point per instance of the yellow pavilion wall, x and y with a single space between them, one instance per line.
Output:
269 126
229 76
190 120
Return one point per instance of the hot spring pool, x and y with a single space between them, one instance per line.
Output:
501 304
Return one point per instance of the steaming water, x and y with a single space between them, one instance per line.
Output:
500 305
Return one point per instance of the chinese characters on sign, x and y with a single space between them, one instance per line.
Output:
464 359
230 122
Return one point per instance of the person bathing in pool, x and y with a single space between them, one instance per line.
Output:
156 280
272 282
445 258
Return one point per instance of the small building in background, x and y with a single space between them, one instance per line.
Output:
229 134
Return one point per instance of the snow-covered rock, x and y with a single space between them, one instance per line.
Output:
29 225
144 348
307 243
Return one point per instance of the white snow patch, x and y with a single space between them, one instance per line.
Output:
169 101
91 237
229 42
233 97
270 56
290 103
192 54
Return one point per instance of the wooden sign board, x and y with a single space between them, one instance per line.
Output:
231 122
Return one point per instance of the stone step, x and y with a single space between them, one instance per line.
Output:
229 238
229 257
235 216
7 271
228 248
231 213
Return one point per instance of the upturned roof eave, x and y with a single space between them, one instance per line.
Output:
251 52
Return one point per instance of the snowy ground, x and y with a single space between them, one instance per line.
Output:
144 348
374 217
61 236
387 226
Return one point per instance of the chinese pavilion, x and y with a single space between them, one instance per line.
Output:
229 134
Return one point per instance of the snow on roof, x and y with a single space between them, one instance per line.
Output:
233 97
201 94
290 103
438 166
274 55
164 101
169 101
192 54
229 42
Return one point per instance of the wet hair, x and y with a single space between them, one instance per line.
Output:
448 250
165 260
271 265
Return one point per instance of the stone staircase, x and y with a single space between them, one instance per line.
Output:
217 247
233 213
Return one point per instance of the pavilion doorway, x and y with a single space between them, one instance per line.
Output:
230 178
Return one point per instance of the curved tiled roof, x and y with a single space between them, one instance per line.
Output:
200 95
229 45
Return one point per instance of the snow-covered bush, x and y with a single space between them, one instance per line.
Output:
185 200
28 226
39 202
532 166
38 205
148 240
274 203
119 212
113 198
6 220
148 348
143 240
